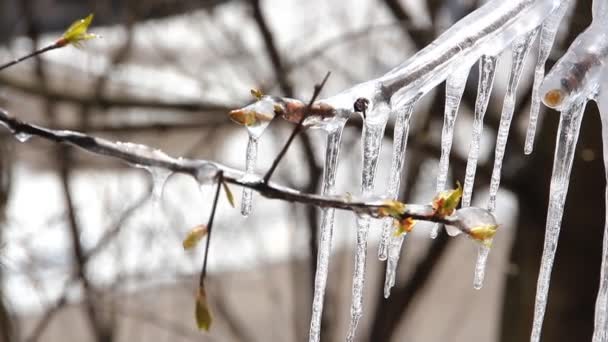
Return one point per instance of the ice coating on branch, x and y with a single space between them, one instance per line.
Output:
402 128
373 133
547 37
334 136
521 47
487 71
577 73
488 30
454 89
569 126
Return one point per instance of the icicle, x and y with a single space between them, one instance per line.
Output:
327 226
547 37
600 331
569 126
373 133
455 85
250 162
521 47
480 266
394 252
487 71
394 243
402 127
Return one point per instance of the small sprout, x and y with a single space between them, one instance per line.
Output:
484 233
194 236
391 208
446 201
77 32
404 226
257 94
201 311
229 194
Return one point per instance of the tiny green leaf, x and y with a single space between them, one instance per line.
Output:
446 201
201 311
229 194
257 93
77 32
484 233
194 236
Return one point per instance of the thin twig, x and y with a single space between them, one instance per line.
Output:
30 55
296 130
216 198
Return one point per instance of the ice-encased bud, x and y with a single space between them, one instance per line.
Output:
469 219
255 116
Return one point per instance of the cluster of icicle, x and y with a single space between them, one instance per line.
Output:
481 36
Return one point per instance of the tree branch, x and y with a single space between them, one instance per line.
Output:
208 171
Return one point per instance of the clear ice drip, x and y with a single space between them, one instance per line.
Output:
327 227
487 71
455 85
480 266
159 178
250 163
569 126
600 331
402 128
547 37
373 134
521 47
22 137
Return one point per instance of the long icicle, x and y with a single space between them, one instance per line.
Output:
548 32
487 71
393 248
250 163
521 47
454 89
600 330
402 128
327 227
569 127
373 133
